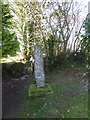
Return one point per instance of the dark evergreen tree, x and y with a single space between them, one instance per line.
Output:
9 40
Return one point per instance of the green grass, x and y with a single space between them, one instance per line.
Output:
59 104
78 107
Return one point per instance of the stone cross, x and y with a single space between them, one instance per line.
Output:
38 67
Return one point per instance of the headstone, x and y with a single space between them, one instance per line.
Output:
38 67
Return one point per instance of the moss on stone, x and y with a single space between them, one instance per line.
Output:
35 91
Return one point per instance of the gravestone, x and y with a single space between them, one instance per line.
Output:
38 67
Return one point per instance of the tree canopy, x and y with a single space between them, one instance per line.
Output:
53 25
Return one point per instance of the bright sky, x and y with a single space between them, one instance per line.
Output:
84 2
83 5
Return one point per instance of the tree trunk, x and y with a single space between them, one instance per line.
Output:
38 67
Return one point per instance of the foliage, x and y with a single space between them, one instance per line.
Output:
20 25
52 30
85 43
13 69
51 51
9 39
26 26
61 23
35 12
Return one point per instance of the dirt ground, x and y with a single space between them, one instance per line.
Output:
13 87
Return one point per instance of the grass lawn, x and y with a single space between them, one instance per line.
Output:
64 102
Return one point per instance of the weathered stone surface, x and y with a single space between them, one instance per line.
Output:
38 68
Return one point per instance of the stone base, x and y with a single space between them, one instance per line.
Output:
35 91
